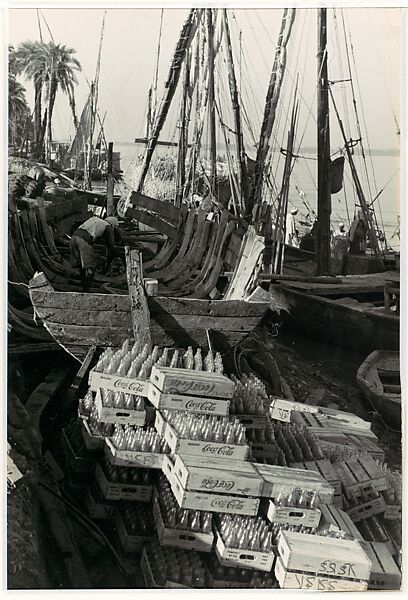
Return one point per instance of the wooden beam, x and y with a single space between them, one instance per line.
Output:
110 183
138 300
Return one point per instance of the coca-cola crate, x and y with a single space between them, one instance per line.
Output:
290 515
361 474
320 555
122 416
366 445
367 509
129 458
213 474
194 404
393 512
294 580
285 479
122 491
201 448
180 538
385 574
81 464
324 423
129 542
251 421
149 578
324 468
225 583
118 384
98 508
246 559
82 413
335 519
92 441
192 383
208 501
280 409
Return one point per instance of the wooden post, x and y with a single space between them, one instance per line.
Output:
138 300
323 149
110 183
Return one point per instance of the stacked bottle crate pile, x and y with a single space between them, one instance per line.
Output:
218 485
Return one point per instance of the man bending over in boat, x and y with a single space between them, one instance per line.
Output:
82 246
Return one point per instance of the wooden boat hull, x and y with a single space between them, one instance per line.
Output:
372 377
77 320
341 322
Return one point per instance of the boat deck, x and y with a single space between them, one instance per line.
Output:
347 285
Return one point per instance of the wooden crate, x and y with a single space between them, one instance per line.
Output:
180 538
149 578
368 445
285 479
92 441
246 559
192 383
320 423
200 448
194 404
122 491
129 542
252 421
122 416
326 470
79 464
393 512
361 474
280 409
307 581
320 555
340 418
225 583
222 476
118 384
367 509
385 575
336 519
264 451
128 458
238 505
98 508
309 517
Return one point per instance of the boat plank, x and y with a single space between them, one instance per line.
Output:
164 210
152 221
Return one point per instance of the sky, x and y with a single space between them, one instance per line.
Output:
129 53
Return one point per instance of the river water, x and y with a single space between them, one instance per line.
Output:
382 169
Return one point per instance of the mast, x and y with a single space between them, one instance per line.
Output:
183 44
323 148
88 160
272 97
243 177
183 137
211 99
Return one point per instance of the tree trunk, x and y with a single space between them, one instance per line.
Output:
37 114
51 101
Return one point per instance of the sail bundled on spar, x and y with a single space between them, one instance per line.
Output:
337 172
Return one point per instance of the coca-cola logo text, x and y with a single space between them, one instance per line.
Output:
234 504
221 450
174 386
132 387
212 484
205 405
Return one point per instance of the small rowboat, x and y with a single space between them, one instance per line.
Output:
379 380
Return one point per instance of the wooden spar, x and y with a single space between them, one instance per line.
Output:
323 148
138 300
243 176
88 160
211 99
183 137
110 183
183 44
149 114
272 97
360 193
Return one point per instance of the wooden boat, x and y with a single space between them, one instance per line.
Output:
379 381
76 320
348 314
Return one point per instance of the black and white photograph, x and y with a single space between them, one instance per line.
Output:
202 357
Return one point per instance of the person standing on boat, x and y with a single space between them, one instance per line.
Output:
82 246
358 235
291 233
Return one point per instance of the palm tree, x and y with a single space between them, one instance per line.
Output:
61 67
19 113
30 60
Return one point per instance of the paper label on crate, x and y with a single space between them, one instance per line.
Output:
118 384
307 581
